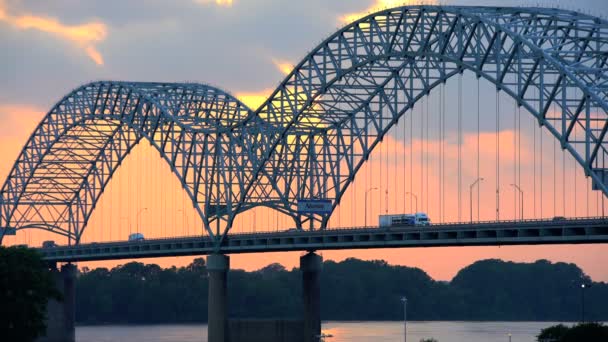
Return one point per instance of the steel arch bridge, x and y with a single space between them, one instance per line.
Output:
317 129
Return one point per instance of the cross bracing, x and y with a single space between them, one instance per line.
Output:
317 129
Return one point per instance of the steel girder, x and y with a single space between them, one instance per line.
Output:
65 166
343 98
321 124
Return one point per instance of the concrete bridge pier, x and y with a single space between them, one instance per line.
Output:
217 310
61 314
311 265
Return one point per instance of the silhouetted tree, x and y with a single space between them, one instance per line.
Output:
351 290
585 332
552 334
26 285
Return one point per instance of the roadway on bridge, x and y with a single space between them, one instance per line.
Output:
529 232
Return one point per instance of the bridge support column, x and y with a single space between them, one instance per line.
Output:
217 310
61 314
311 265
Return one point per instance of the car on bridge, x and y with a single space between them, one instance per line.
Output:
136 237
49 244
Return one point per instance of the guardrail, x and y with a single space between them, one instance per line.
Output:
288 231
588 230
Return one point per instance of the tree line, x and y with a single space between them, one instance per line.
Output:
351 290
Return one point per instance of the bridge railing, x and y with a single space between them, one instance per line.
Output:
447 225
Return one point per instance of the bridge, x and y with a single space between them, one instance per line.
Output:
356 93
504 233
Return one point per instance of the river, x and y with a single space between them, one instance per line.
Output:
341 331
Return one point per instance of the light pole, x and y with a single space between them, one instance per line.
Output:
185 222
138 216
509 334
126 218
415 197
366 191
404 300
583 287
471 197
521 201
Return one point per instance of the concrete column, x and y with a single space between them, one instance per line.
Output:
311 265
217 266
61 314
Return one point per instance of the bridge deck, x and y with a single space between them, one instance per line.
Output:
534 232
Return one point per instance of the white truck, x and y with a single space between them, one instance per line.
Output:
417 219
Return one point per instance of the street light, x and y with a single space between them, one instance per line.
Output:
471 197
404 300
509 334
126 218
366 191
138 216
416 197
185 222
521 203
583 287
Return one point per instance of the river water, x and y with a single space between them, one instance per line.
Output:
341 331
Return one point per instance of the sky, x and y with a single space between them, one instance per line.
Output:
247 47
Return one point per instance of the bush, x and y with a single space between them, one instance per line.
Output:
587 332
554 333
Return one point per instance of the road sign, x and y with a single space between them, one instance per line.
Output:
316 206
8 231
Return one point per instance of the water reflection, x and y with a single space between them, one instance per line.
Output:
441 331
341 331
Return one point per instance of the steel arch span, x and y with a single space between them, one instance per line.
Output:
70 158
343 98
321 124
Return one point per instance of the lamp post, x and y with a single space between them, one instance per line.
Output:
404 300
366 191
471 197
509 334
415 197
138 217
521 201
126 218
583 287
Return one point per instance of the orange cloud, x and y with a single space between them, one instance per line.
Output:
284 67
85 36
379 5
254 99
223 3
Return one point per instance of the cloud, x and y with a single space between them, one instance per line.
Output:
222 3
254 99
85 36
283 66
379 5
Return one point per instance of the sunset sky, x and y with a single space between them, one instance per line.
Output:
246 47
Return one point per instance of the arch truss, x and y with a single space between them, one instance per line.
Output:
321 124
